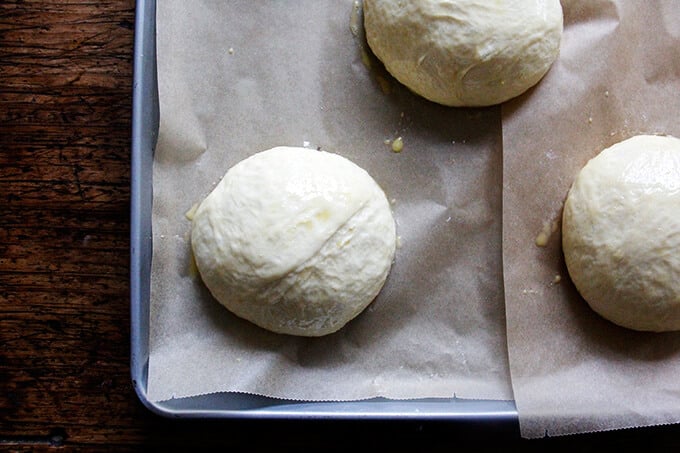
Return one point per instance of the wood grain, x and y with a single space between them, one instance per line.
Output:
65 107
65 103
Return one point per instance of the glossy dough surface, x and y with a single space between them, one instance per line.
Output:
295 240
465 52
621 233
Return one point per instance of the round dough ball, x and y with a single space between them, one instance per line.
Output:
295 240
465 52
621 233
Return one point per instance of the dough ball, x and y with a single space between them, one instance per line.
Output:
465 52
621 233
295 240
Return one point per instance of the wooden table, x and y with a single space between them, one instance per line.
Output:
65 108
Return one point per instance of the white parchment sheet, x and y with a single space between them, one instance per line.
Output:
242 76
618 75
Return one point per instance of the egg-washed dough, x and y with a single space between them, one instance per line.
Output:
621 233
295 240
465 52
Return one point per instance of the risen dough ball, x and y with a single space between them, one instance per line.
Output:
465 52
621 233
294 240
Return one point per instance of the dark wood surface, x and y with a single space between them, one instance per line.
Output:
65 115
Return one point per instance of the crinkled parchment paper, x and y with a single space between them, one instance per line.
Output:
239 77
618 75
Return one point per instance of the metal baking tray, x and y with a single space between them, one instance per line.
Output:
145 118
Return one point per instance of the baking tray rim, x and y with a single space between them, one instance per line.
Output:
145 119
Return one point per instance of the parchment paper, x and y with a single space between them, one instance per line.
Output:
239 77
618 75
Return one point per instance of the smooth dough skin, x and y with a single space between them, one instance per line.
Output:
465 52
295 240
621 233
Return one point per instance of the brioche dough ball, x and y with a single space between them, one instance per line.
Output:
295 240
465 52
621 233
